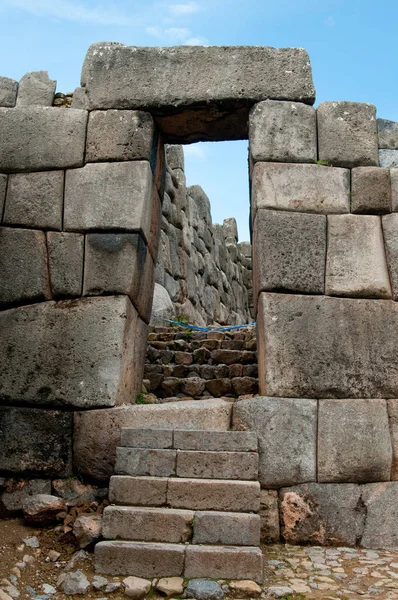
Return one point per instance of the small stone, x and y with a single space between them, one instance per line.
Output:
42 508
12 591
53 555
279 591
74 583
49 589
136 587
4 596
87 529
16 571
31 591
170 586
32 542
29 560
13 579
99 582
203 589
245 588
112 587
76 558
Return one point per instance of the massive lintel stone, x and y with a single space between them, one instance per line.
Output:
72 353
41 138
323 347
196 93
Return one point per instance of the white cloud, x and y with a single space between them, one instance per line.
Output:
330 22
68 10
195 41
187 8
195 150
177 33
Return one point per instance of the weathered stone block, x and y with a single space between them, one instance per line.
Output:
146 461
289 252
142 559
390 231
392 408
356 262
175 156
8 92
321 347
23 266
269 516
327 513
146 438
354 443
3 187
276 420
232 529
302 188
283 132
227 441
381 526
388 159
72 353
138 491
41 138
35 441
202 79
35 200
370 190
205 494
394 189
110 196
217 465
95 454
388 133
221 562
65 258
147 524
347 134
119 135
36 88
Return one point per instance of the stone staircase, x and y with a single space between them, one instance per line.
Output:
184 503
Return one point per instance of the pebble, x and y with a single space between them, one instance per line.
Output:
32 542
203 589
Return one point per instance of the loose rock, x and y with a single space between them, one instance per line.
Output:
136 587
203 589
42 508
73 583
170 586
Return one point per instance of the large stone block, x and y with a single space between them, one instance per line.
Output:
142 559
110 196
354 443
65 258
227 441
356 263
95 454
197 93
321 514
224 562
175 156
289 252
3 187
36 88
146 461
388 133
370 190
8 92
388 159
138 491
23 266
217 465
394 189
232 529
146 438
283 132
347 134
35 200
206 494
72 353
119 135
41 138
286 430
302 188
390 231
35 441
322 347
381 505
269 516
392 408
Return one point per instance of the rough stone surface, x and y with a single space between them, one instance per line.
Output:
269 516
136 587
356 264
289 252
370 190
42 508
13 498
233 529
35 200
74 583
245 588
148 524
227 441
41 138
381 527
80 333
322 514
347 134
35 441
87 529
151 79
23 267
283 132
146 461
139 491
388 133
302 188
170 586
203 589
65 258
3 187
8 92
161 305
36 88
353 441
119 135
390 231
388 159
205 494
217 465
394 189
286 430
95 454
227 562
109 196
147 438
142 558
175 156
321 347
392 408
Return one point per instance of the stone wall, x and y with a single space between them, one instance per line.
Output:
205 271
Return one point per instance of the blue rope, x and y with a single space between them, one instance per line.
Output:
197 328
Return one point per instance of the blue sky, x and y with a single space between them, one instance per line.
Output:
352 46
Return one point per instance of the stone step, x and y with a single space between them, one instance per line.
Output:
144 524
195 494
226 528
144 559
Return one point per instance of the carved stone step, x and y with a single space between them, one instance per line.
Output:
226 528
224 562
